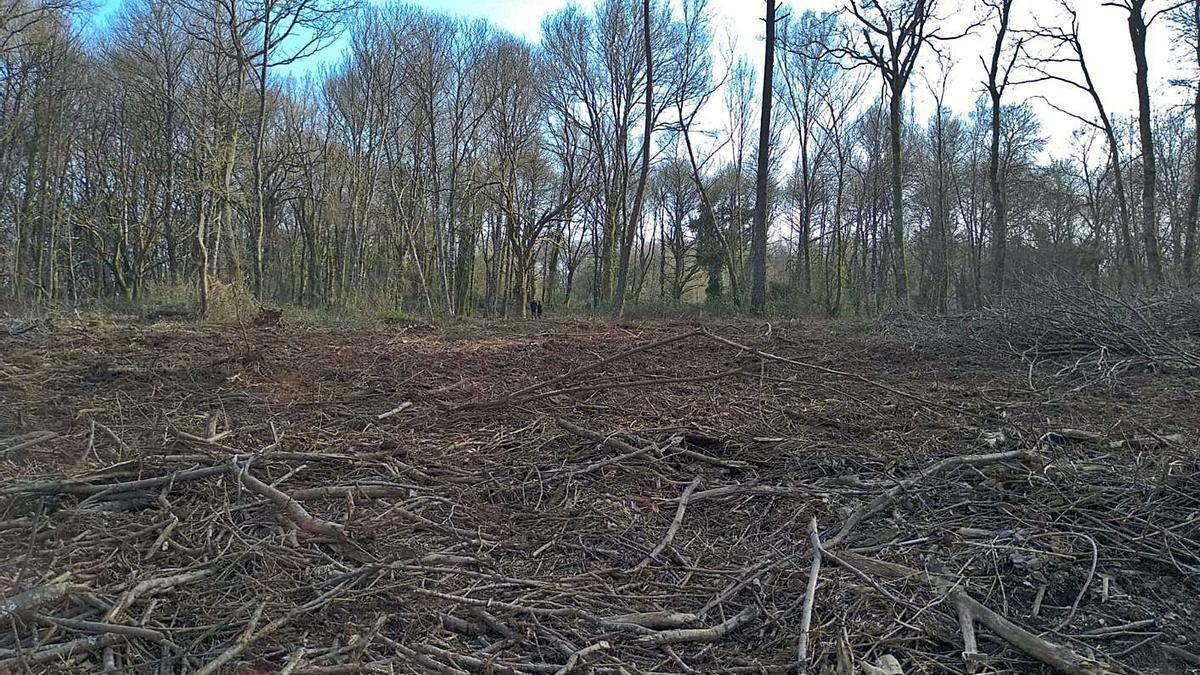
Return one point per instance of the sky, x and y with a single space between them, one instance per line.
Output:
1103 31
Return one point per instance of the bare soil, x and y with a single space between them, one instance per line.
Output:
528 501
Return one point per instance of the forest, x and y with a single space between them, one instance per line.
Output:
443 167
836 376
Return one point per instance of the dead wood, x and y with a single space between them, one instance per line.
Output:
58 652
810 598
1062 659
286 503
34 598
883 500
711 634
676 522
673 496
655 620
576 372
25 442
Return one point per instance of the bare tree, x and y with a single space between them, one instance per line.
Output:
999 74
893 36
1186 19
758 246
289 30
644 171
1139 26
1063 48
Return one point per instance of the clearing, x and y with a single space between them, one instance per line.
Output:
570 496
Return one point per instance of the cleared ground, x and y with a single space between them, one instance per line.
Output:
531 498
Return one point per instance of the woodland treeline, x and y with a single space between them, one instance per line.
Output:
446 167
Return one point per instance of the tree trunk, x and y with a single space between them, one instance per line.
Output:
633 222
1137 34
1189 220
260 220
758 242
899 259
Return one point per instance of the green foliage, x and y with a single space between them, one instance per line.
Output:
786 300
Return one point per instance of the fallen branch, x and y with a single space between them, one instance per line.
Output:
36 438
675 525
294 510
343 491
101 628
840 373
1182 654
80 488
57 652
628 384
394 411
35 597
152 586
810 597
629 452
711 634
582 654
874 506
736 489
236 648
1057 656
653 620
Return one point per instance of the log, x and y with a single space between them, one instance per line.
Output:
711 634
1059 657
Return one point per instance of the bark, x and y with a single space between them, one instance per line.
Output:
633 222
895 129
758 243
995 87
260 221
1193 203
1137 35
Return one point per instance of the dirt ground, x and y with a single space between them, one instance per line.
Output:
567 496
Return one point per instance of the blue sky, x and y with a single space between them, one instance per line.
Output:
738 22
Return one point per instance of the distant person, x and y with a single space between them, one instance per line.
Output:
533 309
539 308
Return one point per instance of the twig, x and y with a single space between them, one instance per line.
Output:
84 644
675 524
840 373
293 661
579 371
153 586
611 441
1054 655
874 506
101 490
38 439
100 627
36 597
1183 654
652 620
810 596
398 409
236 648
966 622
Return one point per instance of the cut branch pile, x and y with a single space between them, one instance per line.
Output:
586 499
1080 331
